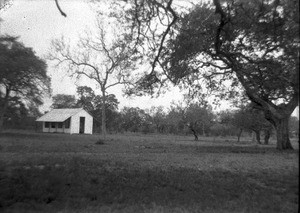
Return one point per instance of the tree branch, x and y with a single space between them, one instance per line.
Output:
60 10
166 32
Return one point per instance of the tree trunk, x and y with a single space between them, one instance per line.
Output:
267 136
277 115
3 108
1 120
279 118
253 136
282 132
239 135
103 111
257 136
194 132
196 137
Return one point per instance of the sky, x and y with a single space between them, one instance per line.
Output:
37 22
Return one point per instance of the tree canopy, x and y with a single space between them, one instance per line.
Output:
61 101
253 44
22 75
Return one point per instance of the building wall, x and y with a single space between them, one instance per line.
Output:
75 121
55 129
45 129
74 124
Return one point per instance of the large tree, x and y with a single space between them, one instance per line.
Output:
199 118
158 116
22 75
249 118
103 57
254 44
61 101
86 98
135 119
111 107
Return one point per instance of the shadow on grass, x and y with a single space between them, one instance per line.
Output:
32 134
18 134
37 137
80 183
252 149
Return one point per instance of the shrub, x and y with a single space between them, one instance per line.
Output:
100 142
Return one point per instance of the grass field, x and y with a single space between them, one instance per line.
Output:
42 172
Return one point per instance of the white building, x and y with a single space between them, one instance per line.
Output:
72 121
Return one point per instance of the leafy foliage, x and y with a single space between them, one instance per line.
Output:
111 114
86 98
249 118
63 101
22 72
200 118
253 44
135 119
23 75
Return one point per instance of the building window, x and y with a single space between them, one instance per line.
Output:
67 123
53 125
47 124
59 125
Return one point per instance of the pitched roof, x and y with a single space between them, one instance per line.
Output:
59 115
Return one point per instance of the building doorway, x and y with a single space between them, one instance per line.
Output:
81 125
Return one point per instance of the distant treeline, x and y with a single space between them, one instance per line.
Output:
197 119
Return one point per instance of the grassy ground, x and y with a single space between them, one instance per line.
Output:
144 173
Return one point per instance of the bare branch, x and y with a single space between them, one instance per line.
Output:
60 10
166 32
